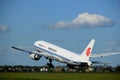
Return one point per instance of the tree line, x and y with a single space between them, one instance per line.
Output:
22 68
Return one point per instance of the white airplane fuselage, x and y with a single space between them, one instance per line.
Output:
57 53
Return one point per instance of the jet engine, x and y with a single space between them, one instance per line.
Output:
86 63
35 56
89 63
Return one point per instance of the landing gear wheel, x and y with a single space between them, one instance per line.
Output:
50 65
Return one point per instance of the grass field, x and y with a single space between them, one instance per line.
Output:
58 76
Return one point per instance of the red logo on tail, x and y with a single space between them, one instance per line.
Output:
88 50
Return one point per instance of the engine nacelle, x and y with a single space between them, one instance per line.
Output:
86 63
35 56
89 63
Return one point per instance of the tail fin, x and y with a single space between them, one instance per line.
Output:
84 57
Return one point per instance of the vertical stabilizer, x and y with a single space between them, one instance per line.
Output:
84 57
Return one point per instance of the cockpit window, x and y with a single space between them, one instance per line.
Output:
41 45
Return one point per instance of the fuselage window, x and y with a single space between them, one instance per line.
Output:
52 49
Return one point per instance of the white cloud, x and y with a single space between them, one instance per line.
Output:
110 49
119 49
114 43
113 46
3 28
85 20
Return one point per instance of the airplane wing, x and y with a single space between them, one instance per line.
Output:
27 51
104 54
21 49
33 53
98 62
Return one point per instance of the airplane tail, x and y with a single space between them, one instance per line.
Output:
87 52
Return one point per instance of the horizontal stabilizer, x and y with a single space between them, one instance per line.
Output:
104 54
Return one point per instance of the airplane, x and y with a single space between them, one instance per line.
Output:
53 52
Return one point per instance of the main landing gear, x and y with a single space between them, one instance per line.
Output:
50 65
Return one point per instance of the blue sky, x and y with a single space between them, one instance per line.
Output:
70 24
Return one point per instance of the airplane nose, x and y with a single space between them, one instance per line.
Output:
36 43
